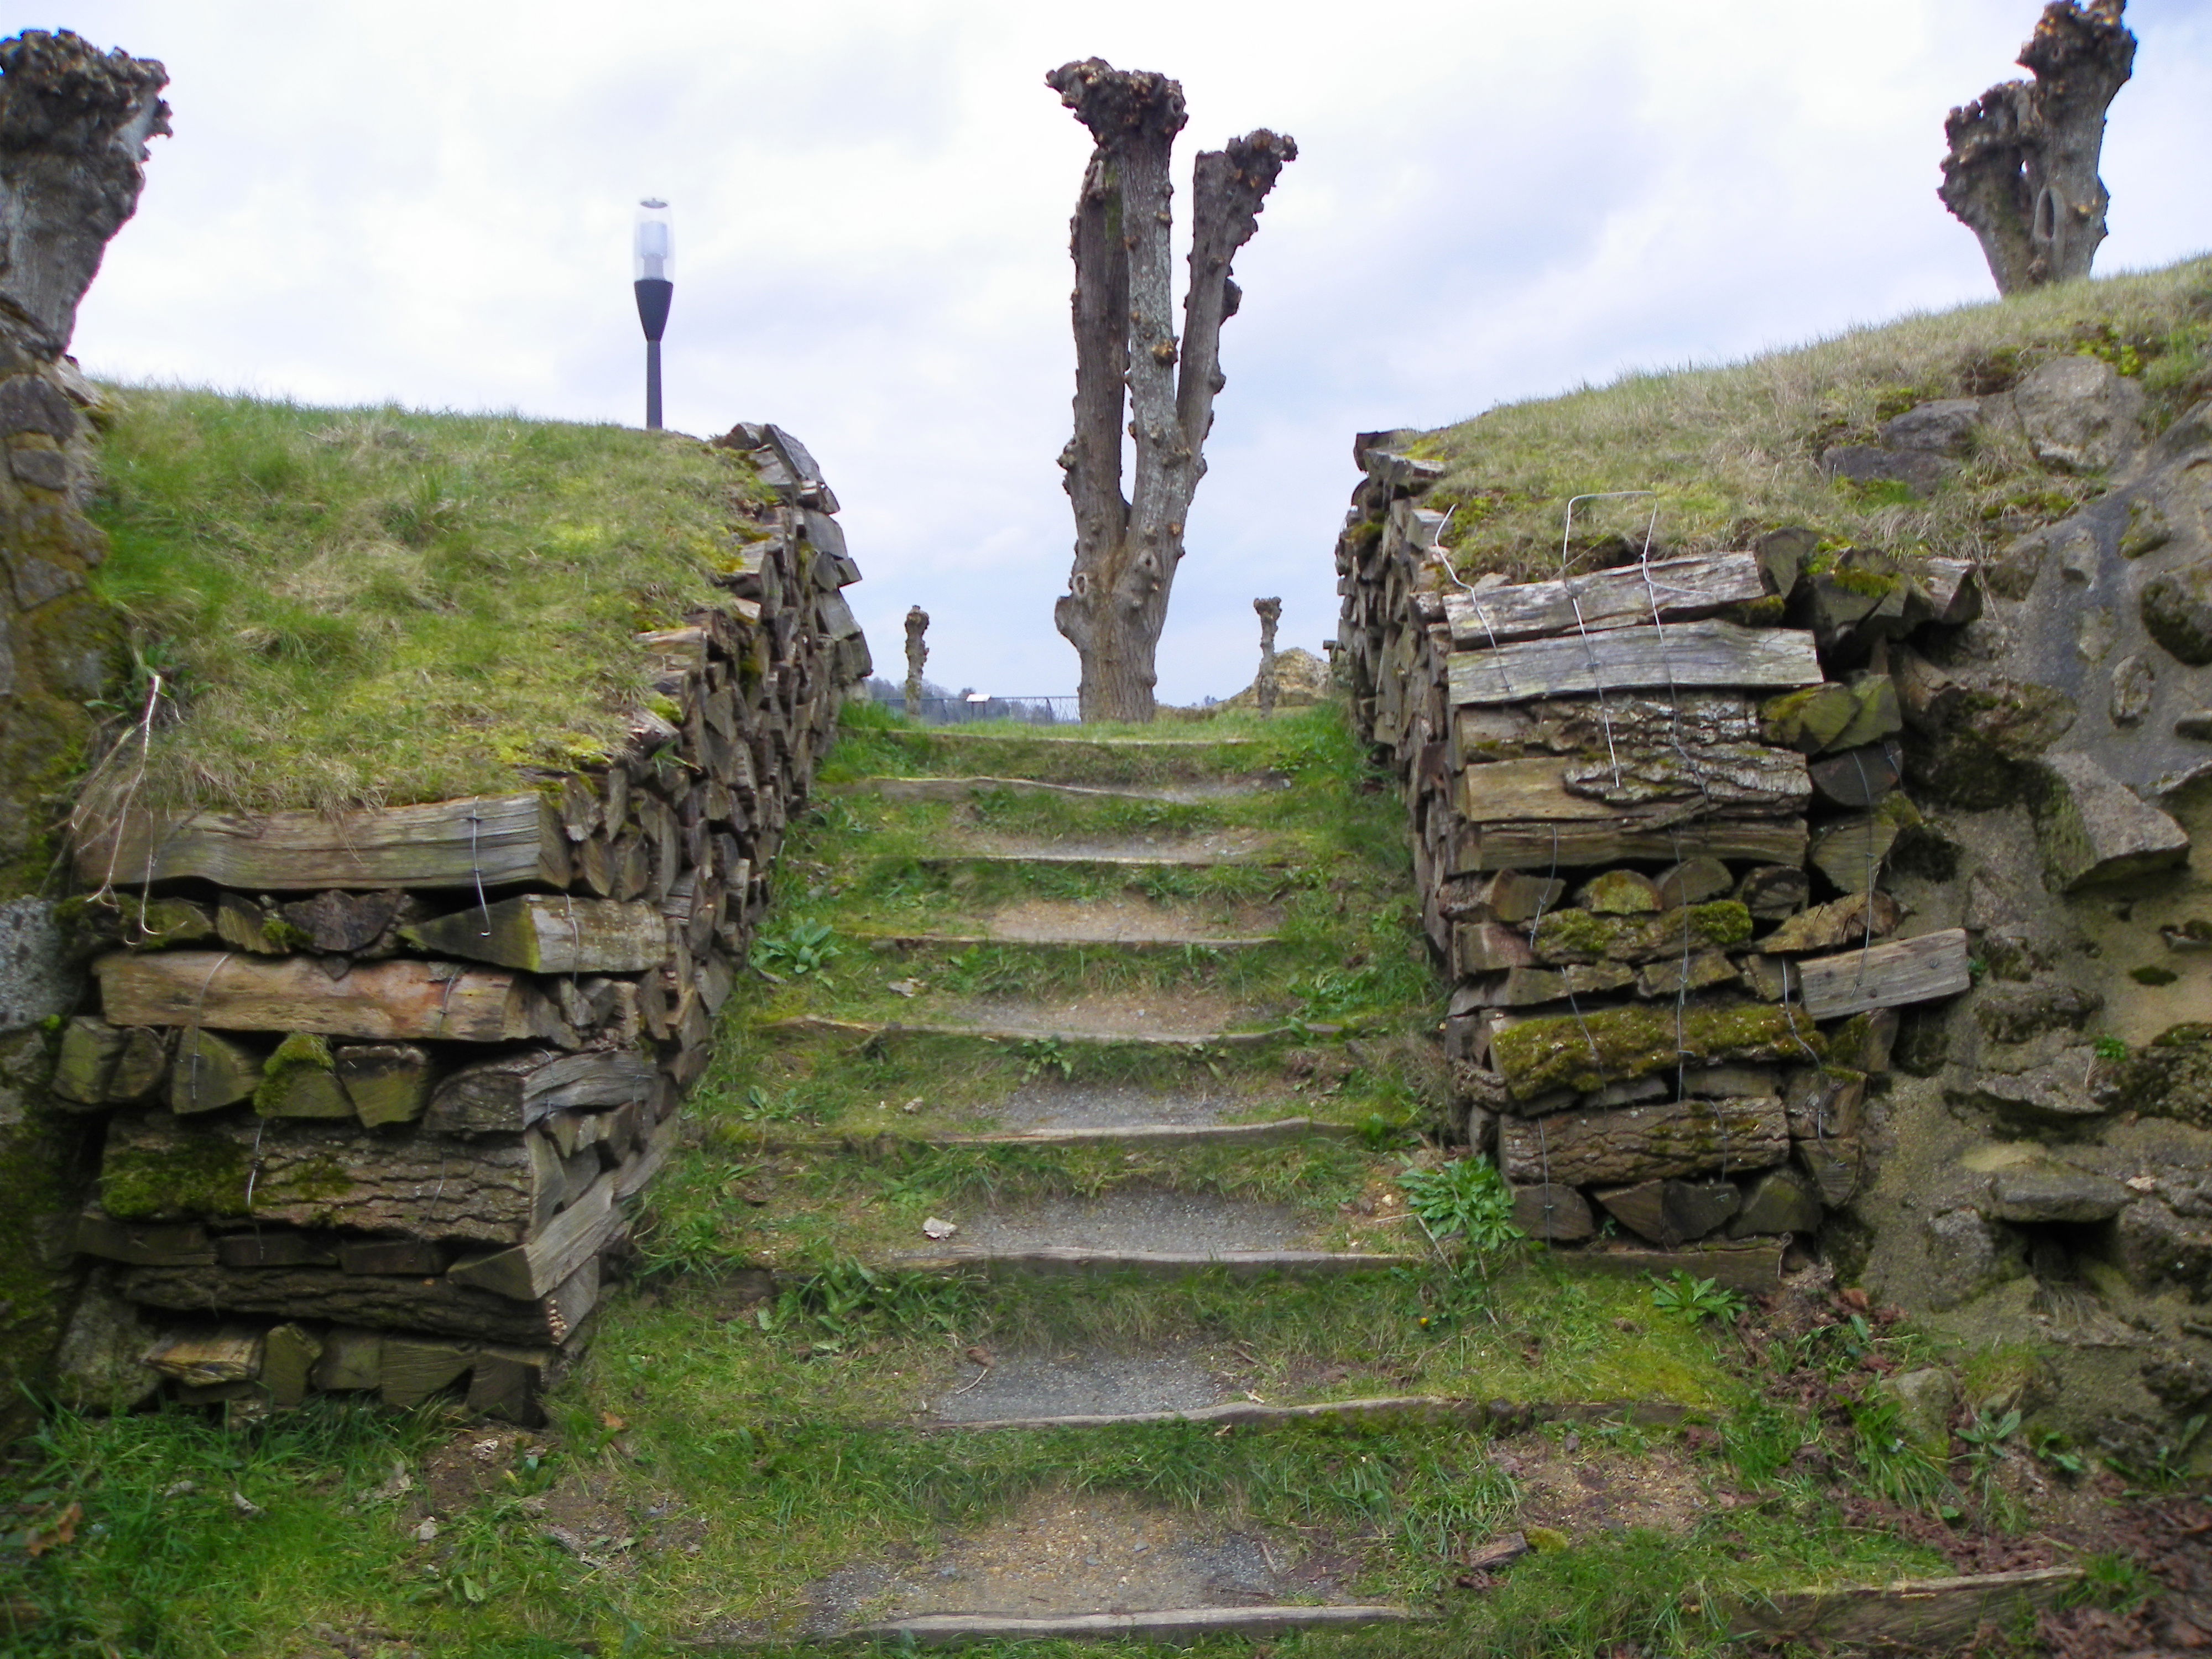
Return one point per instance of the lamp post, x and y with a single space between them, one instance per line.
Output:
654 269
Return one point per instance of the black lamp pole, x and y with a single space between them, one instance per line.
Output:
655 265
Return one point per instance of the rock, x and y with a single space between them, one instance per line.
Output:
1917 470
37 981
1967 1254
1780 1201
2157 1247
29 402
1692 881
2171 1077
2094 829
98 1367
1924 1400
1672 1213
2054 1192
2078 413
47 468
1945 426
1621 893
2133 682
2061 1091
2176 613
2008 1013
2181 1381
1553 1214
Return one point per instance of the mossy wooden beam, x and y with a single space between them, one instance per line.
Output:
1584 936
1622 837
508 1094
550 935
1587 1051
380 1303
1602 599
387 1002
492 840
1636 1143
1674 656
494 1192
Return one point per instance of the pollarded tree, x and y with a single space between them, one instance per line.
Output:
2022 168
1127 358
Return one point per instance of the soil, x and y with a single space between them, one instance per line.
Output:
1573 1487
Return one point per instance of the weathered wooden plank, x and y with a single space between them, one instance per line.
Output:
211 1072
352 1358
495 840
438 1305
1585 726
1620 838
144 1244
529 1271
387 1082
412 1371
289 1354
1749 1267
1676 655
546 934
1886 976
207 1357
310 1174
1924 1614
398 1001
507 1095
1622 598
1643 1143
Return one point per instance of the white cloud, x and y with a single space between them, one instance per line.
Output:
431 203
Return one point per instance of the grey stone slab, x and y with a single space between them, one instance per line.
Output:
1945 426
1195 1223
2054 1192
1094 1382
37 980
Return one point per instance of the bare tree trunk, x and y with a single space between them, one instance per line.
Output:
2022 168
1127 550
917 624
1264 688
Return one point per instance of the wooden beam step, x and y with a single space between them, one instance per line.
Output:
959 789
821 1026
941 1629
1130 1135
1116 860
1070 1261
1118 941
1393 1409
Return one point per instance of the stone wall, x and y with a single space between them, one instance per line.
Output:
1813 900
73 127
371 1094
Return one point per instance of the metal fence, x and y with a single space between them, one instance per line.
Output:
1027 710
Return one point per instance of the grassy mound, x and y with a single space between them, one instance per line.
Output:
1732 451
378 606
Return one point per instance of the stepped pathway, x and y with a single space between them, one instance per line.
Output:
1083 1300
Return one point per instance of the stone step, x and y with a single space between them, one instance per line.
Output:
1012 1031
1064 1260
1105 855
1127 1135
1165 1625
961 789
1106 931
1097 762
958 1411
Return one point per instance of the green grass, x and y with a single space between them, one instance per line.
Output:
1732 450
379 605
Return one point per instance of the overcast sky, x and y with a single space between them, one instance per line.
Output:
430 204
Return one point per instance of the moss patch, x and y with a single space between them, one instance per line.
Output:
203 1175
1567 1052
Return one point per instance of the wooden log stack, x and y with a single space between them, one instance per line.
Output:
377 1087
1652 808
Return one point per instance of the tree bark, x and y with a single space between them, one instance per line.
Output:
2022 173
1127 359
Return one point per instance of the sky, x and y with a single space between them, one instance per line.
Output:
430 205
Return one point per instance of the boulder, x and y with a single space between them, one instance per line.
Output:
2094 829
1945 426
99 1366
2079 414
2176 613
2158 1248
1968 1254
1917 470
1924 1400
2054 1192
2015 1013
2061 1091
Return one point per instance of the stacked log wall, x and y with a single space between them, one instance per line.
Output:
1652 811
373 1092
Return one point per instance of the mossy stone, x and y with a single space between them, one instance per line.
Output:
2176 613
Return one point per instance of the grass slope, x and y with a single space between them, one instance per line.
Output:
1732 451
377 605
